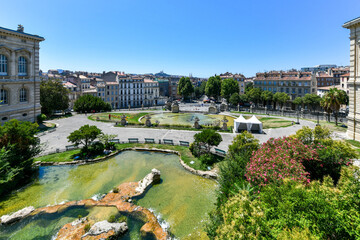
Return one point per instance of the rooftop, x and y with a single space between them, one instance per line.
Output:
6 30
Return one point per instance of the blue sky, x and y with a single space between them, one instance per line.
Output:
187 36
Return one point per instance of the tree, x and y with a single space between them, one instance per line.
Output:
85 135
266 97
213 87
185 87
249 86
332 102
199 91
106 140
312 100
281 98
88 103
235 99
254 95
229 86
18 146
206 139
53 96
298 101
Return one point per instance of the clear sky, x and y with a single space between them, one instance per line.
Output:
185 36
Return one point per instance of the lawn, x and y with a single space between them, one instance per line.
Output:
332 126
185 152
270 122
132 118
356 145
58 157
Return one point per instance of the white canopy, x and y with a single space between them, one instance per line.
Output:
251 124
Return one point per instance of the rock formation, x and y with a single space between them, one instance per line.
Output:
16 216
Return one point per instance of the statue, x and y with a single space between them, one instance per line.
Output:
224 126
123 120
175 107
148 122
196 123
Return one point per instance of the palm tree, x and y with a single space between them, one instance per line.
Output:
332 101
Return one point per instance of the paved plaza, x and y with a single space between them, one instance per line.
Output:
58 139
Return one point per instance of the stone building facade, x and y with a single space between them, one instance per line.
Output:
294 83
19 75
353 131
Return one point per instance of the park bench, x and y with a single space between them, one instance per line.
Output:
116 140
149 140
71 147
219 151
133 140
183 143
168 141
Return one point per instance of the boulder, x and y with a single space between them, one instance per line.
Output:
106 227
7 219
149 179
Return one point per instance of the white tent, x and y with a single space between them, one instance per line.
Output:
251 124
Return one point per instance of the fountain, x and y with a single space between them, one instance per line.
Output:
148 122
224 121
196 123
213 108
175 107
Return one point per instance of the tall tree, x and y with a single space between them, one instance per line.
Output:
281 98
249 86
185 87
312 101
298 101
229 86
213 87
266 97
88 103
53 96
254 95
18 146
332 102
206 139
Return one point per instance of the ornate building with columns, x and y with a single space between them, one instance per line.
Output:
353 131
19 75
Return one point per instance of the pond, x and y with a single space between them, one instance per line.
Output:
188 119
182 200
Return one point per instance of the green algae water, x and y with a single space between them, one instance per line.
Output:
188 119
181 201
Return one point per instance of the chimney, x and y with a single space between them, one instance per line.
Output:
20 28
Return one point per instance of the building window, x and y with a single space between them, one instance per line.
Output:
3 65
22 66
23 95
3 96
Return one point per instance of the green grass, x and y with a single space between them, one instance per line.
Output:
59 157
354 143
185 152
332 126
132 118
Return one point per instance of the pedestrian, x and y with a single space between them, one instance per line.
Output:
109 116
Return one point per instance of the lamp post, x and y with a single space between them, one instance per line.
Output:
297 117
318 124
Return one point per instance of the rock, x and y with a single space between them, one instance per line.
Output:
7 219
105 227
78 221
149 179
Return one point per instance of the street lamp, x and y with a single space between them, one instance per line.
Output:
318 124
297 116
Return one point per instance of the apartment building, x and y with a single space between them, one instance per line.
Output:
294 83
344 79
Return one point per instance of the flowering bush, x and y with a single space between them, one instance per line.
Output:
278 159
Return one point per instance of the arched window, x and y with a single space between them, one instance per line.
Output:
22 66
23 95
3 96
3 65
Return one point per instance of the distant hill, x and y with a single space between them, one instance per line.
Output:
162 74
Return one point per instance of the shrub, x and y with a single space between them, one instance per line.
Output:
115 190
87 227
41 118
332 155
278 159
112 219
208 160
121 219
205 140
96 149
295 211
